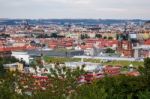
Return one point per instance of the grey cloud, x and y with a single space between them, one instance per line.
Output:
75 8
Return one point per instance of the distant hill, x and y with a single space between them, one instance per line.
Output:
147 22
66 21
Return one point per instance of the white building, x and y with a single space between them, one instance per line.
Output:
88 65
21 56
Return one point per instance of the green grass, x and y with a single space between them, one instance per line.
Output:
113 63
124 63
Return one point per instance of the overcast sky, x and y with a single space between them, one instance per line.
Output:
105 9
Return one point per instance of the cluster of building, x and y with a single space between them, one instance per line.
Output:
128 40
94 71
25 42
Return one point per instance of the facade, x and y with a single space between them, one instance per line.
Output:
88 65
22 56
125 48
142 51
14 67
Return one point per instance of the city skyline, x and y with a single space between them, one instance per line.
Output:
75 9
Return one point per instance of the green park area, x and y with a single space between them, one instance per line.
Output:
113 63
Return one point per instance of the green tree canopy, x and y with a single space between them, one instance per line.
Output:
109 50
98 36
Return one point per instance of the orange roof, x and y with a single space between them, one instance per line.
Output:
134 73
147 42
26 47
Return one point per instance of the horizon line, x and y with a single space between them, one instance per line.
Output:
76 18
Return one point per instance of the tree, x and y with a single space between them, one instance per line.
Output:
145 71
110 38
83 43
105 37
54 35
98 36
5 35
109 50
84 36
6 60
147 66
62 84
2 70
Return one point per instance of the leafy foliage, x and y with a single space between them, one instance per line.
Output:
63 85
105 37
98 35
6 60
110 38
109 50
84 36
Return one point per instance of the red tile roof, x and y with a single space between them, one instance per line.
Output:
147 42
18 48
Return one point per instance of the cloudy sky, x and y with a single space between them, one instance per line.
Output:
105 9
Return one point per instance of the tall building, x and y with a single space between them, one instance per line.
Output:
125 47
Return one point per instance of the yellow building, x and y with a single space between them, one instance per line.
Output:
14 66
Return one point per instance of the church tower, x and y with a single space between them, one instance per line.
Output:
125 47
